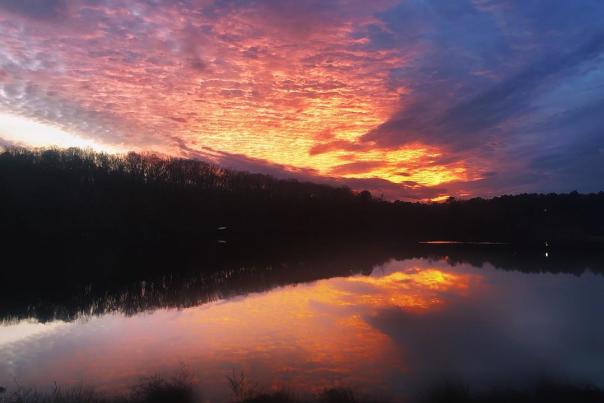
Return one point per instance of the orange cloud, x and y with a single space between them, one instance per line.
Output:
260 80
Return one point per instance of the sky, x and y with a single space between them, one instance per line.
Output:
411 99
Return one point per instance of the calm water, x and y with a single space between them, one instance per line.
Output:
407 324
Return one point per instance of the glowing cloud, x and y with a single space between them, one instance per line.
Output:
466 96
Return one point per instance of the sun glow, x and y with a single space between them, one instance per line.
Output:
414 164
440 199
20 130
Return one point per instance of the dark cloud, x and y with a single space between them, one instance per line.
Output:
345 145
513 96
491 76
465 124
356 167
580 156
37 9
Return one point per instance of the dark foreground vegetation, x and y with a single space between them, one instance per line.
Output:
181 390
145 201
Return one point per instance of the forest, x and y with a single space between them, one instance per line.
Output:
85 198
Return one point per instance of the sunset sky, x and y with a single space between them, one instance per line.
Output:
415 99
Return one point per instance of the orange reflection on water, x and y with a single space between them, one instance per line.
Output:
415 289
315 335
304 337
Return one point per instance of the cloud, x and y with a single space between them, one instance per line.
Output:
356 167
463 125
494 108
474 96
379 187
36 9
580 156
339 145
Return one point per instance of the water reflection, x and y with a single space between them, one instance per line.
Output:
67 298
390 332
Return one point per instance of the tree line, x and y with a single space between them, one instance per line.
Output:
82 196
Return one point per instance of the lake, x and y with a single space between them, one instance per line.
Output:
389 328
